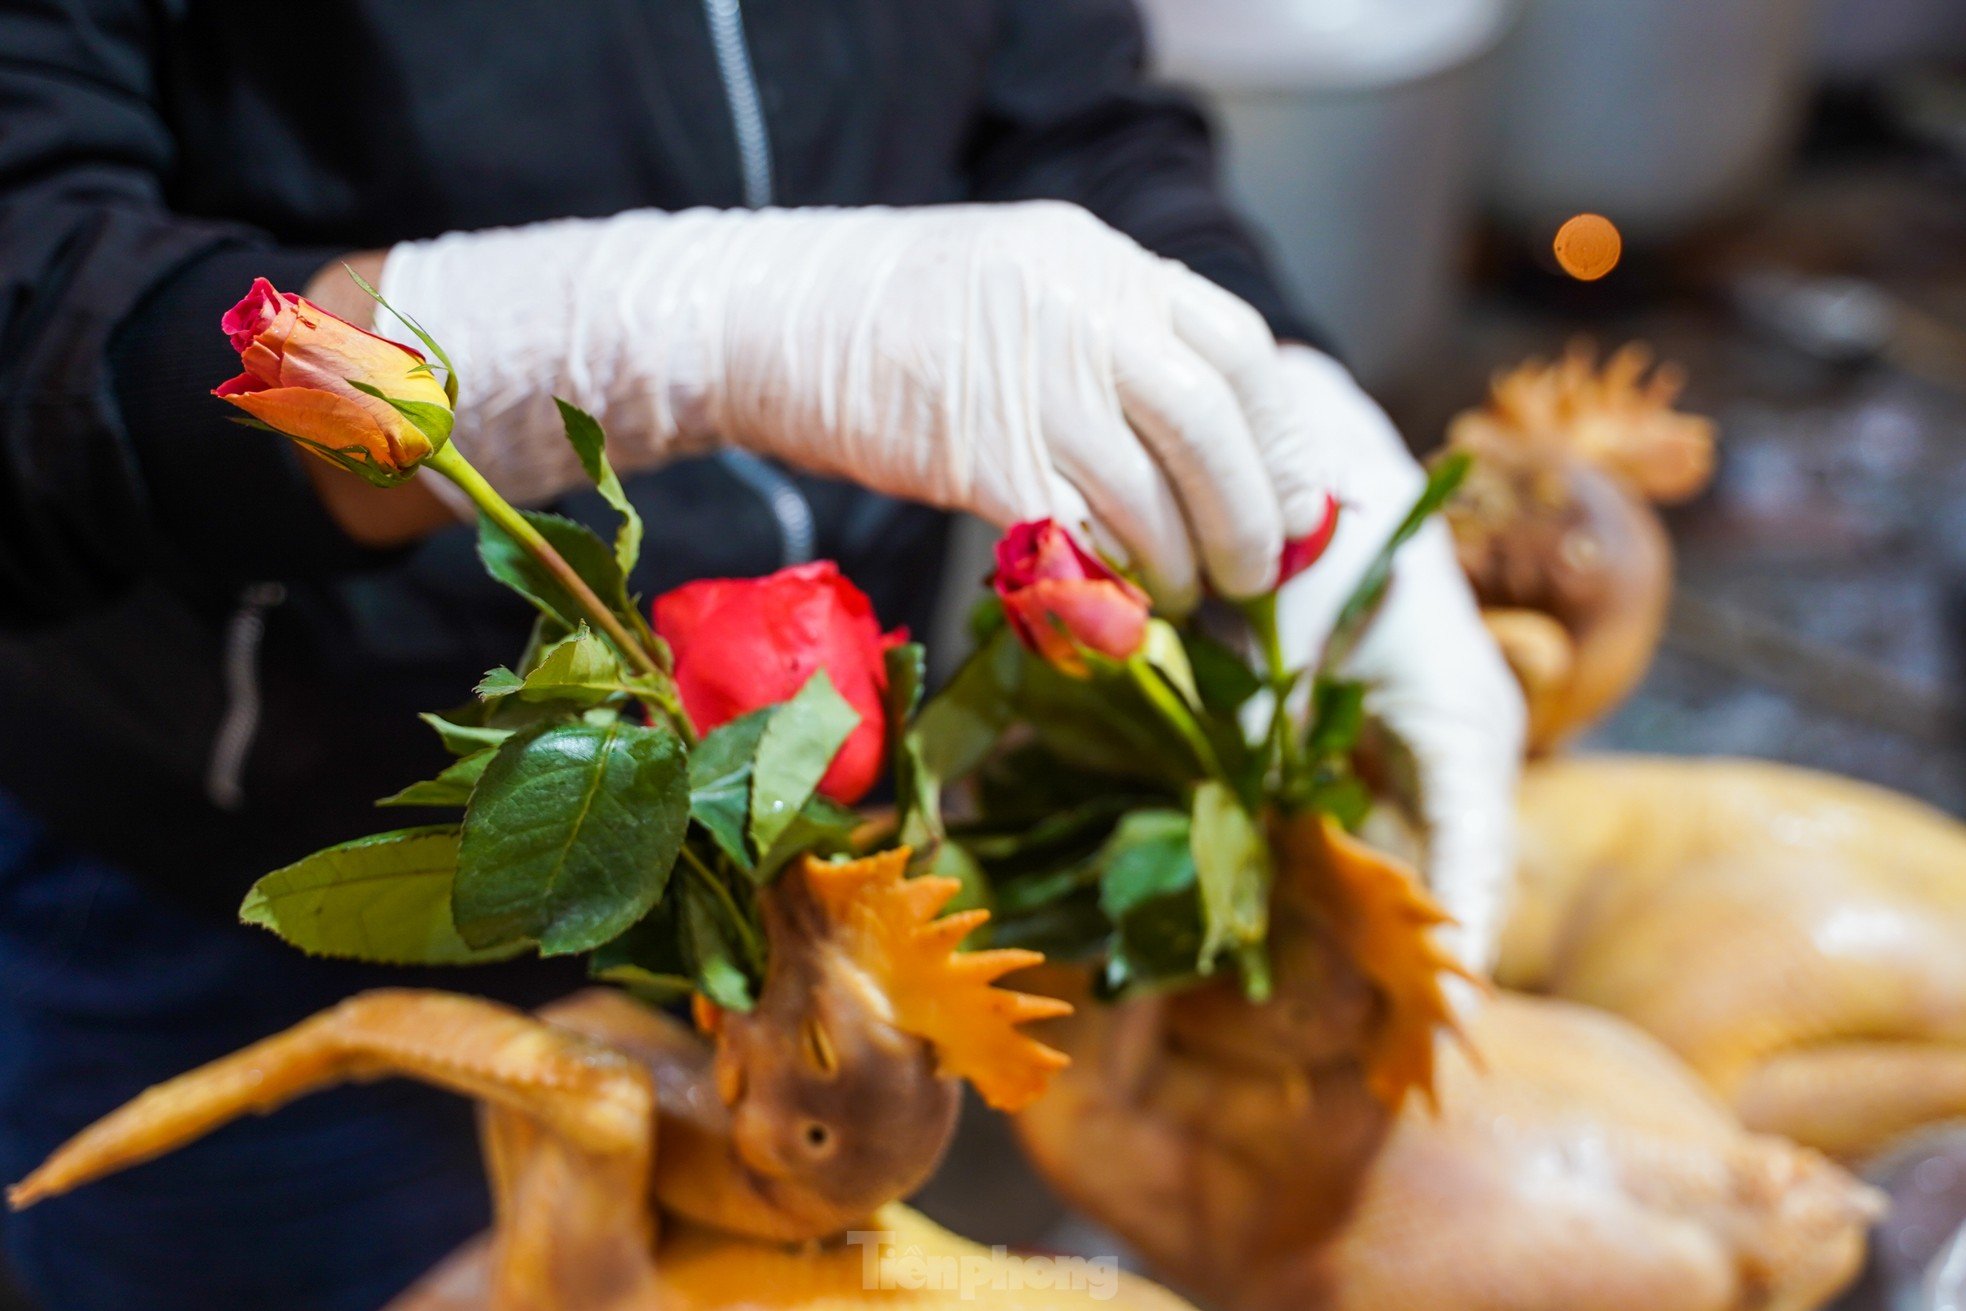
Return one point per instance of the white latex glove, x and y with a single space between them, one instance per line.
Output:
1015 361
1437 680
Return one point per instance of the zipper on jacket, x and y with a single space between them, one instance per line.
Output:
747 110
237 727
790 510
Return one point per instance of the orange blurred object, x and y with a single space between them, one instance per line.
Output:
1588 246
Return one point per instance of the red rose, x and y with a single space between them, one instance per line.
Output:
745 643
1059 597
1304 552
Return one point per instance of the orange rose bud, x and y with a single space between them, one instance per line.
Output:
302 366
1060 598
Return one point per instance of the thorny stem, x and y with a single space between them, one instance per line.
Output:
450 462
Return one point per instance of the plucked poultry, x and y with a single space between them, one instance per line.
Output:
1816 926
1556 529
794 1123
1816 930
1251 1153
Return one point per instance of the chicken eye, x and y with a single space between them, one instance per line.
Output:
818 1139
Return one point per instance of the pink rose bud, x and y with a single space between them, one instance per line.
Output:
1061 599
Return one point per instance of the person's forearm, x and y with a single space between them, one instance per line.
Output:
370 515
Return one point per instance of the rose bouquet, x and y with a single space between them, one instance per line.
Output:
626 787
1136 786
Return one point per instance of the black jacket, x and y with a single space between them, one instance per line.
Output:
199 676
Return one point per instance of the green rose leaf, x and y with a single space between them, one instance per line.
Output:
1337 717
917 791
590 444
652 987
497 683
1147 893
1124 720
724 958
798 745
450 788
960 725
571 835
821 828
511 564
1442 480
580 669
720 782
648 960
907 674
1325 781
465 739
1232 868
385 898
1223 678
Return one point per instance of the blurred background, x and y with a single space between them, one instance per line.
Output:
1787 182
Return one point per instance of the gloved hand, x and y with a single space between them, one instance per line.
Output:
1015 361
1437 680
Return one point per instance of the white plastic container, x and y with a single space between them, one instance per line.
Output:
1659 114
1352 134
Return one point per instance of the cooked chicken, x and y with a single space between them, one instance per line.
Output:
1574 1164
796 1123
1556 530
1798 939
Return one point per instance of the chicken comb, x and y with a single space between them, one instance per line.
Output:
888 923
1619 417
1383 920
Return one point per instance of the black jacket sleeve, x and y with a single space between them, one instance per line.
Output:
115 464
1068 116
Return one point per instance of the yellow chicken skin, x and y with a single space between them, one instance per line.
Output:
702 1270
1798 939
1249 1152
835 1095
1578 1167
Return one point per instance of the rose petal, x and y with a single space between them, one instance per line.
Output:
257 309
1305 551
319 417
1060 597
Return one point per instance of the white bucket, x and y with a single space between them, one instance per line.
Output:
1352 134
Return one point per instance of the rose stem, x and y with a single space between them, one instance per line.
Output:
1261 612
450 462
